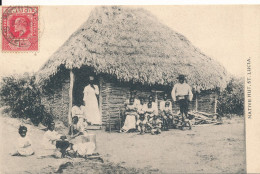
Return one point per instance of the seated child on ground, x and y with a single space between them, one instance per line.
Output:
49 141
24 145
77 128
62 144
131 115
155 124
141 123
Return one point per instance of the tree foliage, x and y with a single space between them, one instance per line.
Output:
22 98
231 100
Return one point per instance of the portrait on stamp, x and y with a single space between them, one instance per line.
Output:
20 28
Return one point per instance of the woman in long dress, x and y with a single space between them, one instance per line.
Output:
131 115
91 110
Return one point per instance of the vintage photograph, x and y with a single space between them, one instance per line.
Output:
124 89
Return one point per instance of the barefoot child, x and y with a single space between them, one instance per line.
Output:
49 141
155 124
141 123
166 112
24 145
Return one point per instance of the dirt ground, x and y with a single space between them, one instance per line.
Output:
204 149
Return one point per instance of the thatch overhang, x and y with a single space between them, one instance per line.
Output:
132 45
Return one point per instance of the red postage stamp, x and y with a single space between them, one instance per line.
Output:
20 28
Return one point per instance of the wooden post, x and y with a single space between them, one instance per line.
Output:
70 95
100 97
196 102
215 105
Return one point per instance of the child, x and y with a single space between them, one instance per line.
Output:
155 124
24 145
141 124
62 145
49 141
77 128
166 115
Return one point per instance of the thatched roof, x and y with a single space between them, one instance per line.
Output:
132 45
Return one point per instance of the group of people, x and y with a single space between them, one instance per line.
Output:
79 143
139 115
146 117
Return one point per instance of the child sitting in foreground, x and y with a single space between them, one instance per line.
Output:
49 141
76 128
62 144
24 145
141 123
155 124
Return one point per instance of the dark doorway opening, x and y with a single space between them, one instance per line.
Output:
81 81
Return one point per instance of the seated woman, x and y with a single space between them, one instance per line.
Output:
151 109
133 96
24 145
49 141
141 108
79 138
131 114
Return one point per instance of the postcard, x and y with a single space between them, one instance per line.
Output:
129 89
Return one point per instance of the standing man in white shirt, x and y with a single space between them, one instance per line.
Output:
181 93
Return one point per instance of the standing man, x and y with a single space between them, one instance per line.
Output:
181 93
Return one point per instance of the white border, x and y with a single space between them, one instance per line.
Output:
128 2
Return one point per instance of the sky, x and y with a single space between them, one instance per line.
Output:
228 34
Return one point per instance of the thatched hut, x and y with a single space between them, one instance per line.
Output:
125 48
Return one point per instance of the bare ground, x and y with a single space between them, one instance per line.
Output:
204 149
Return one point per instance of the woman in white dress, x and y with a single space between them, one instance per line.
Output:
131 115
91 110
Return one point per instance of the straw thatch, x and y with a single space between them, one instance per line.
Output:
132 45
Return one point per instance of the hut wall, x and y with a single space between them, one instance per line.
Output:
57 103
113 98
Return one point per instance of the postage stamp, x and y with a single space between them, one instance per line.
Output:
20 28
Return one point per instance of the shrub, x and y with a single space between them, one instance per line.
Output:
231 100
21 97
